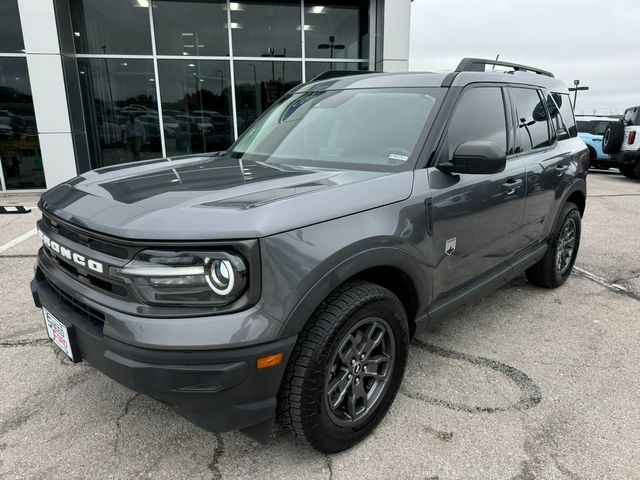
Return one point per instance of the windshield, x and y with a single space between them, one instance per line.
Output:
375 129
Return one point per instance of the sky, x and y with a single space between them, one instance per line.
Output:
594 41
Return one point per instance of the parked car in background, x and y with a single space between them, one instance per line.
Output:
221 123
622 141
591 130
202 122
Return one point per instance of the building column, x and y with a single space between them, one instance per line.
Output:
47 87
393 20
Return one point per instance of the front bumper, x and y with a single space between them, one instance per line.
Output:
218 390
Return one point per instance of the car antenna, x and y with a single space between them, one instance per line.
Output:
494 65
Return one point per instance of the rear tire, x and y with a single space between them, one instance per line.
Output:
346 367
563 243
613 137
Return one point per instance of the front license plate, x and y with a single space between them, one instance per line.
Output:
58 333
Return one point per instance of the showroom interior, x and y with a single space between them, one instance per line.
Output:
86 84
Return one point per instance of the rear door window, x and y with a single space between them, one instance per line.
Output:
585 126
600 128
532 125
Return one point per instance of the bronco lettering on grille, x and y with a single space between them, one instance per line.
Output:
70 255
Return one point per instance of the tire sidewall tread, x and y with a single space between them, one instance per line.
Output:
301 402
544 273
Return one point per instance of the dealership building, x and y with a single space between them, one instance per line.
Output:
92 83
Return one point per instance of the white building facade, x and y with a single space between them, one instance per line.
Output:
91 83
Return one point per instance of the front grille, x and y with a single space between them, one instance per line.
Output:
100 282
93 316
85 278
92 243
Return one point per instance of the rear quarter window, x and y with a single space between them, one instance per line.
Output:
562 117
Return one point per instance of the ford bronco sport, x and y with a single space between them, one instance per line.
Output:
286 276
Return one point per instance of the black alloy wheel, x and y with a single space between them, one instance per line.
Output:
359 371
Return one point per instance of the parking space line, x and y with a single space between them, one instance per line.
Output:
17 240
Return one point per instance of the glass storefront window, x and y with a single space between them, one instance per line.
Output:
119 94
259 85
121 114
120 27
337 29
10 29
193 27
313 69
196 105
266 29
19 144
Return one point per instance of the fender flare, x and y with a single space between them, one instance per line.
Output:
578 185
387 256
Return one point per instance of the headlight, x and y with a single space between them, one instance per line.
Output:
185 278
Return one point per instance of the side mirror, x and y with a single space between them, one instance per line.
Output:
476 157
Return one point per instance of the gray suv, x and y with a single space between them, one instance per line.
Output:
285 277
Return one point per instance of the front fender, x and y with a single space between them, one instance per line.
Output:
301 267
332 277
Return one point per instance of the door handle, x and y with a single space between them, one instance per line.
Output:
596 140
511 185
560 169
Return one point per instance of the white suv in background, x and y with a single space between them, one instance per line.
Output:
622 141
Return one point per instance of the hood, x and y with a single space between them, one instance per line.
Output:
214 197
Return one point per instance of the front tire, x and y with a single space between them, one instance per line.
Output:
563 243
346 368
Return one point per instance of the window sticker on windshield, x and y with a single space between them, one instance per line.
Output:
398 157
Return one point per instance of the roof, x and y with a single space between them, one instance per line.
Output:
430 79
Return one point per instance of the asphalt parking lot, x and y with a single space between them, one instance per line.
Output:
526 384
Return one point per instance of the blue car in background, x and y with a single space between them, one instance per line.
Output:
591 130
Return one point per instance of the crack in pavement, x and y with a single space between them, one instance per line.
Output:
329 463
24 343
214 465
531 394
125 411
628 277
612 286
18 256
39 401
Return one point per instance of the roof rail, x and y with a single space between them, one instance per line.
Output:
479 64
337 73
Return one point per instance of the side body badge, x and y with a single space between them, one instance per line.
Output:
450 246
